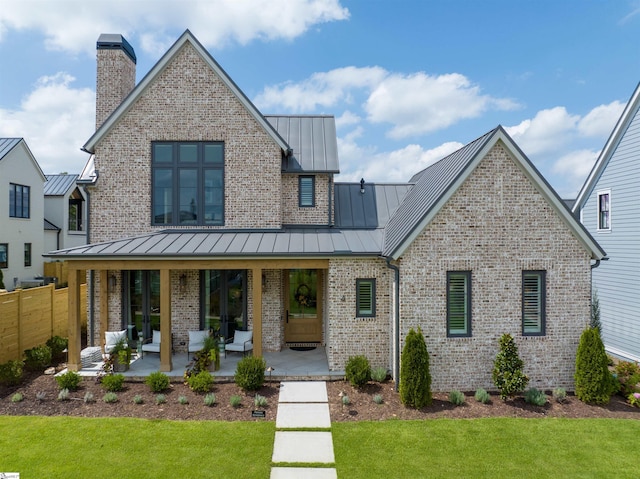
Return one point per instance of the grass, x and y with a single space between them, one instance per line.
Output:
123 447
495 447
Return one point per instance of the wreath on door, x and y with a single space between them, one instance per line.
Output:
303 295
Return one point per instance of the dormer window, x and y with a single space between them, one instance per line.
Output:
187 181
306 191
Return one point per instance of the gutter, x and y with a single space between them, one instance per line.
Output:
396 359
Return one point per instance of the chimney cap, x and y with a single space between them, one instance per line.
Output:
115 41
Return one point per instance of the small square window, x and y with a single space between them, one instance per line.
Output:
365 298
458 303
27 254
306 189
604 210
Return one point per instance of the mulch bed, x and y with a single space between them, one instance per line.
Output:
362 406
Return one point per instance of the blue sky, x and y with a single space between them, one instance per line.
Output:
408 81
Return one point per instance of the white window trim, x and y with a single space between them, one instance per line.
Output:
598 194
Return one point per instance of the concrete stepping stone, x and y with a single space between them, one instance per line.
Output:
303 391
303 415
306 472
303 446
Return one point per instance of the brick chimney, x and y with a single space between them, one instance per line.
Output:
116 74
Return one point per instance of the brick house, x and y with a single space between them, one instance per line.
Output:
207 214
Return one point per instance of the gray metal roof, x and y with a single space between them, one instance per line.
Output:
321 242
59 185
7 144
313 141
371 209
115 41
49 226
432 183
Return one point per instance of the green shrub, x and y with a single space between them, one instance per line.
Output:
157 382
357 371
415 378
38 358
137 399
11 373
63 395
17 397
57 345
594 382
634 399
161 399
69 380
110 397
379 374
201 382
250 373
482 396
210 400
113 382
594 321
260 401
507 369
88 397
183 400
378 399
628 375
559 395
535 397
457 398
235 401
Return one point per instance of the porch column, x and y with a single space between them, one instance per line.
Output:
103 301
165 320
74 362
257 311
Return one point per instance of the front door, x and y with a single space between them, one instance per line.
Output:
223 293
142 302
303 308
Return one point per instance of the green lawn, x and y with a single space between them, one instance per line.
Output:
492 448
61 447
65 447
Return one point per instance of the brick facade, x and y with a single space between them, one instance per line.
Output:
295 215
115 65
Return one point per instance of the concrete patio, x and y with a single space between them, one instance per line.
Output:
287 364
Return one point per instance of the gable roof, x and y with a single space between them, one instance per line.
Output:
8 144
313 142
59 185
437 184
610 147
186 37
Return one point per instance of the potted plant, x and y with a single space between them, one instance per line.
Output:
121 356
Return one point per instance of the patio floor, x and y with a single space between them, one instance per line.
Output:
287 364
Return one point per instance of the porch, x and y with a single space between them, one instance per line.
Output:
287 364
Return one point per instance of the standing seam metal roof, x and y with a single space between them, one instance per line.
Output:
59 185
7 144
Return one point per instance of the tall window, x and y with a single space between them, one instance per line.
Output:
306 189
4 255
27 254
75 212
365 298
187 183
459 303
533 303
604 210
19 201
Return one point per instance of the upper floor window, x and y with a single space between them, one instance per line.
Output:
306 191
604 210
365 298
533 303
187 183
458 303
75 212
27 254
4 255
19 201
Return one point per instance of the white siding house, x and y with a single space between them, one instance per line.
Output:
609 207
65 207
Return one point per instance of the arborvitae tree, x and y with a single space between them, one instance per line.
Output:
594 382
595 312
415 378
507 369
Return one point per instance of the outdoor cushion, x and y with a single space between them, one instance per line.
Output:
196 340
241 342
154 345
112 338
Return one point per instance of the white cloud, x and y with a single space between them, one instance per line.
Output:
547 131
72 26
55 120
574 168
601 120
347 118
420 103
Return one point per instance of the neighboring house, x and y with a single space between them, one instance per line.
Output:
207 214
609 207
64 209
21 214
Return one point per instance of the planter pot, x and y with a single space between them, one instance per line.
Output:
119 367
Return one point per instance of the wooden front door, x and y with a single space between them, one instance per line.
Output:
303 306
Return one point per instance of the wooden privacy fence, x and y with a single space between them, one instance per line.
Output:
29 317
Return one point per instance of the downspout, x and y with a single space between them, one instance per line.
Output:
396 361
329 222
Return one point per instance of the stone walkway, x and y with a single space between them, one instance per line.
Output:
302 407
